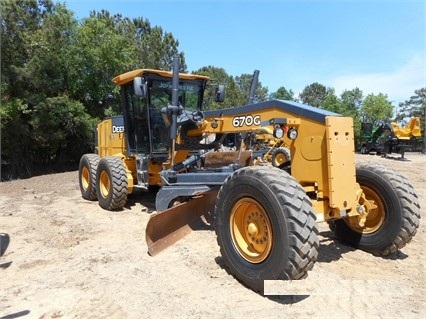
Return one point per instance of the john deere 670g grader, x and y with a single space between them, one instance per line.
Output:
265 216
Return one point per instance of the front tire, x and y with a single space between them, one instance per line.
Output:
87 175
111 183
265 226
394 221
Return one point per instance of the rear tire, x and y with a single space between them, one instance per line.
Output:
111 183
395 221
265 226
280 156
87 175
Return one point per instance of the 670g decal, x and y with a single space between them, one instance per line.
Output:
247 120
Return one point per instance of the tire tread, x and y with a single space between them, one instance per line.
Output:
303 231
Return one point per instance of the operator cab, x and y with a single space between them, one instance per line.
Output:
144 93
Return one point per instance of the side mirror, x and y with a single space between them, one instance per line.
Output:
219 95
139 86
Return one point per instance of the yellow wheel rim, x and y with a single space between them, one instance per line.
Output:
251 230
375 215
85 177
104 184
280 159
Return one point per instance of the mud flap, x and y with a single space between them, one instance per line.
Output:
167 227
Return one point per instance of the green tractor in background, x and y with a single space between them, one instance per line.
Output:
389 138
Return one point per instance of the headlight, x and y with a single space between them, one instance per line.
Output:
292 134
278 132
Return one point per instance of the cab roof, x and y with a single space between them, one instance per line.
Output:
129 76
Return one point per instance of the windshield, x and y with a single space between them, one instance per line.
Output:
146 129
190 97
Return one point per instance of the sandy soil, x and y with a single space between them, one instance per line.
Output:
64 257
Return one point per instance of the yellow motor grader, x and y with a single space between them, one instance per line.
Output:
265 216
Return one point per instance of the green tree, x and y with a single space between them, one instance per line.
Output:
156 48
34 35
105 46
331 102
243 83
16 146
97 54
20 21
282 94
376 108
36 38
351 101
314 94
61 129
237 88
218 76
47 70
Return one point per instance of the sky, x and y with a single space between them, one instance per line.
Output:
378 46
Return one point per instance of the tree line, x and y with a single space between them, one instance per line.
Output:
56 83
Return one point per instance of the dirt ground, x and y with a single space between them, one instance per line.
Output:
65 257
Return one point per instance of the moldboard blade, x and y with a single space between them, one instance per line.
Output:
167 227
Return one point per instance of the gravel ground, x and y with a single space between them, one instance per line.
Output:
64 257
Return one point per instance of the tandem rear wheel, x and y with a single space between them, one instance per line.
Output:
111 183
103 179
87 175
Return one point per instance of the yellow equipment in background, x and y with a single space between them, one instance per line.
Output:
412 129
